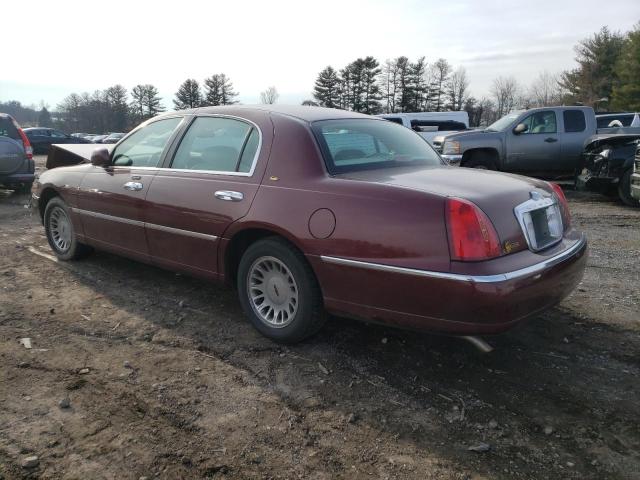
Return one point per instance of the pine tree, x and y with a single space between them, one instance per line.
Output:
116 98
188 95
626 95
596 75
146 103
218 90
327 88
44 117
440 76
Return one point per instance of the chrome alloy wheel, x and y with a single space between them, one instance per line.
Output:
272 291
60 229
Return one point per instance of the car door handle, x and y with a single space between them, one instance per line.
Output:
551 140
133 186
229 195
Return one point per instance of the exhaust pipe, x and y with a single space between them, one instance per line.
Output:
480 344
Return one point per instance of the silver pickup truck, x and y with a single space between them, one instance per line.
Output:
542 142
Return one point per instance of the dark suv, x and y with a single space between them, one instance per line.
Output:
16 156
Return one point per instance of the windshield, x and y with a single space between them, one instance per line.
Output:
362 144
504 122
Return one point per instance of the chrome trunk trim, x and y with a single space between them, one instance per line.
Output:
502 277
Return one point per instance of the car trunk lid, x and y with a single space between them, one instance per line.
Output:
496 194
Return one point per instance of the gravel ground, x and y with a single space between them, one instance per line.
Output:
137 372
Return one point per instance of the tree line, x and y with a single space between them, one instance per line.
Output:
606 78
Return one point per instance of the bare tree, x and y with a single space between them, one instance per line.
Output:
457 89
506 93
545 91
440 75
269 96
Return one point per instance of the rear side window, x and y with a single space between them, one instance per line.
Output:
574 121
217 144
8 129
362 144
437 125
612 121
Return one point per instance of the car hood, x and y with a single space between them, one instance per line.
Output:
497 194
469 135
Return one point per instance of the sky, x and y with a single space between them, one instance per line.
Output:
75 46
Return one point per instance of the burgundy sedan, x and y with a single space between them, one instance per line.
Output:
309 210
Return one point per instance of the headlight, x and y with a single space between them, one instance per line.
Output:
451 147
605 153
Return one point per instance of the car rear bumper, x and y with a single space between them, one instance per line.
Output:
16 178
449 303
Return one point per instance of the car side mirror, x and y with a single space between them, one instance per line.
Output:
520 128
100 158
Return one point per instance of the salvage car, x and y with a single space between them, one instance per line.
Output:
313 210
607 166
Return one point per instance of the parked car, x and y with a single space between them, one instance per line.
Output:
607 165
97 138
314 210
42 138
431 126
113 138
542 142
16 156
635 176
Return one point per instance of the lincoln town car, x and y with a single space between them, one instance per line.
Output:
309 211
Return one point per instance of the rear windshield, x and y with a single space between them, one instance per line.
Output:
8 129
362 144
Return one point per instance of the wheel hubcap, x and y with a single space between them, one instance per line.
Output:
60 228
273 292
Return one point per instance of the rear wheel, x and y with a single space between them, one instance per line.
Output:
482 161
624 189
60 232
279 292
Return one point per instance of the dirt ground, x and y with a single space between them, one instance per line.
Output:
166 379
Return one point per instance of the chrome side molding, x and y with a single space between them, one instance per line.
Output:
501 277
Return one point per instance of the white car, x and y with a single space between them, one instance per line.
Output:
432 126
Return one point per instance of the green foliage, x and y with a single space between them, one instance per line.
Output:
188 95
218 90
327 88
44 118
596 75
626 94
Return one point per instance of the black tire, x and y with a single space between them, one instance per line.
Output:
624 189
481 160
56 211
309 316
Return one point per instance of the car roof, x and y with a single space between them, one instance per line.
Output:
301 112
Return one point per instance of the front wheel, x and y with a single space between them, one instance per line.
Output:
624 189
60 232
279 292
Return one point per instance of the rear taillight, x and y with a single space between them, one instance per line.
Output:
472 236
25 141
564 205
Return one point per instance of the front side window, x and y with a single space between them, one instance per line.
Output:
359 144
540 122
217 144
144 147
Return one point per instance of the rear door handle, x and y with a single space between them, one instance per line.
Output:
133 186
229 195
551 140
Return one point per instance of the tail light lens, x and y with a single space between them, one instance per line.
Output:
25 141
564 205
472 236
